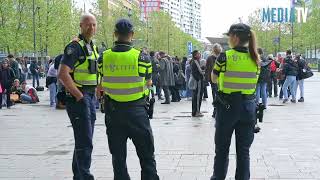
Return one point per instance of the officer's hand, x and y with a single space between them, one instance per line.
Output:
79 98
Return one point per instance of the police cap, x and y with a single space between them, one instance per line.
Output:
239 28
123 26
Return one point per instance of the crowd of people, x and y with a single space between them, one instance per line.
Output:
172 79
14 73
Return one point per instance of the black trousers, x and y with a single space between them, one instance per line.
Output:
166 93
197 95
273 84
214 90
241 119
130 122
175 94
82 115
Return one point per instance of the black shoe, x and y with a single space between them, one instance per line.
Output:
301 99
165 103
160 98
285 101
275 95
293 101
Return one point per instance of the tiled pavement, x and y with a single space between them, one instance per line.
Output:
36 142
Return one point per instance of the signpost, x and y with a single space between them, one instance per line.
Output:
190 47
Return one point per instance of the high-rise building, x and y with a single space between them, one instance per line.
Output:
128 4
185 13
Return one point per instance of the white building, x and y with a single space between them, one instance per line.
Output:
185 13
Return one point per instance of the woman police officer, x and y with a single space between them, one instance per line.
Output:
236 72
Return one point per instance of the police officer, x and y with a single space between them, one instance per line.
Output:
237 72
78 73
126 75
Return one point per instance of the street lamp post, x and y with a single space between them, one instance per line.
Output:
34 27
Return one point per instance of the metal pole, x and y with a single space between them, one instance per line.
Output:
292 37
168 39
47 37
279 45
34 27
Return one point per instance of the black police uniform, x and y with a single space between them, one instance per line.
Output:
130 120
82 115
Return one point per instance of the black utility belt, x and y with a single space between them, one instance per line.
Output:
138 102
243 96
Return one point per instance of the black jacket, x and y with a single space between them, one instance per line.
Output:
265 72
7 77
290 67
301 65
197 75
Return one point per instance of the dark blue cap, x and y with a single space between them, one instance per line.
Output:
123 26
239 28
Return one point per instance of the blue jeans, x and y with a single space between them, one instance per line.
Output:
25 98
261 92
34 78
53 93
300 83
82 115
291 83
240 118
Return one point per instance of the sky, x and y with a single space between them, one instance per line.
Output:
218 15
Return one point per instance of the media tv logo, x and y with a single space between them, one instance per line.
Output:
283 15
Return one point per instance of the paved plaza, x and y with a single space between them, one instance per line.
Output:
37 142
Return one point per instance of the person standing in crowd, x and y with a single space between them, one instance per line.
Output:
188 75
155 74
280 75
61 91
183 69
51 83
290 70
300 81
205 83
20 65
125 93
35 70
198 75
78 72
236 71
14 65
7 78
264 76
216 50
166 76
24 65
273 82
178 81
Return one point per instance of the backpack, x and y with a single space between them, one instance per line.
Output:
264 73
273 66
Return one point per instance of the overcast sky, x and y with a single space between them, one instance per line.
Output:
218 15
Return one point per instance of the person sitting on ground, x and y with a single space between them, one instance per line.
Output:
16 90
29 94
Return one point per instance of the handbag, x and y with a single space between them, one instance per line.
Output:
14 98
192 84
306 72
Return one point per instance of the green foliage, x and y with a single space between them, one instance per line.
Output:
57 22
305 35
